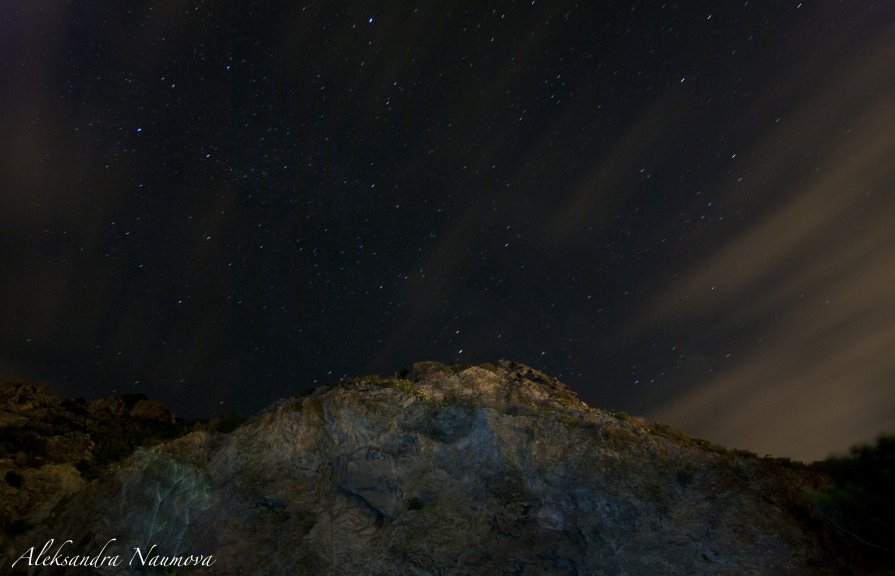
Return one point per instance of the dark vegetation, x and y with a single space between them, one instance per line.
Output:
684 477
28 444
16 527
13 478
227 423
859 503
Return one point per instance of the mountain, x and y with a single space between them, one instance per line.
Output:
491 469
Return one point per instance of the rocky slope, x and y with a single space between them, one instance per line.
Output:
480 470
50 448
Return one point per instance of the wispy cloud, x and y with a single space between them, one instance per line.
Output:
814 276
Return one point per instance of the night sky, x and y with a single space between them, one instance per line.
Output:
682 212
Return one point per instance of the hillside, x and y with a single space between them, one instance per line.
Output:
493 469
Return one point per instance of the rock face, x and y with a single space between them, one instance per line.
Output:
51 448
482 470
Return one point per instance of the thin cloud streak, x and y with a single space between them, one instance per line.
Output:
816 275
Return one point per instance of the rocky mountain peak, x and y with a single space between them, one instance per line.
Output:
500 387
491 469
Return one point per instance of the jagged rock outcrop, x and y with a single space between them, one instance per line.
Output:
481 470
51 448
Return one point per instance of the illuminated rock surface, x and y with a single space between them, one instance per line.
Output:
483 470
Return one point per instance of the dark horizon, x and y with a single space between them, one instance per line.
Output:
683 214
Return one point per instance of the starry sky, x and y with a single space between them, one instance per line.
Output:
682 211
